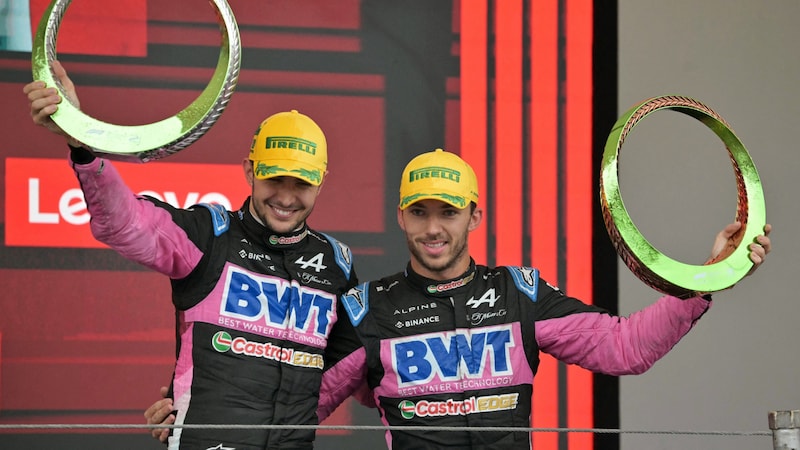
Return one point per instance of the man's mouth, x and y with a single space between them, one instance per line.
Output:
280 212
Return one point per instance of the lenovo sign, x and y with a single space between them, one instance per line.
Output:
45 206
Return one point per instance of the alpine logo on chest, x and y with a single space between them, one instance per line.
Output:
489 297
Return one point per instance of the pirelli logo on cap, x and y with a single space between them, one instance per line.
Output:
438 175
434 172
292 143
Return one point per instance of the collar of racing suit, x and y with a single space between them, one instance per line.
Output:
441 288
270 238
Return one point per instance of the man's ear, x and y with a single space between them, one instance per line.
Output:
247 166
475 219
319 186
400 220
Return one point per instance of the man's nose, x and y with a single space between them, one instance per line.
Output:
433 226
285 193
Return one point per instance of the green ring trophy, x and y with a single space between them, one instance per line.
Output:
141 143
645 261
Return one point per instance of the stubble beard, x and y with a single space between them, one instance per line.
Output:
459 250
262 215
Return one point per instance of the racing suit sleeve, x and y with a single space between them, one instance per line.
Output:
134 227
613 345
345 371
346 378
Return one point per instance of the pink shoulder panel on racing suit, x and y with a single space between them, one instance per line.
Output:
134 227
620 345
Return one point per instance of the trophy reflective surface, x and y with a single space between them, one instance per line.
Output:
141 143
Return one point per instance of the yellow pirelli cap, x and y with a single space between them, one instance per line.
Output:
438 175
289 144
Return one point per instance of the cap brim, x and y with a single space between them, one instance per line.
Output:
266 169
454 200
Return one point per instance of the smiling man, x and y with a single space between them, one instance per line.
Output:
255 291
451 343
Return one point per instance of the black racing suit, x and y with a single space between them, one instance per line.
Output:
254 309
464 352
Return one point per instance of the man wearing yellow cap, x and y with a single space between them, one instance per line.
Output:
451 343
255 290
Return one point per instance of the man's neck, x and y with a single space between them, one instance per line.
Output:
440 275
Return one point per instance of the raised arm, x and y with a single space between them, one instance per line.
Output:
133 226
614 345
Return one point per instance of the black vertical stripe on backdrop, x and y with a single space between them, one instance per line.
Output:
605 287
527 103
561 204
491 121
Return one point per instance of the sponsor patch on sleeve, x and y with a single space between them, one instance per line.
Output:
219 217
526 279
356 303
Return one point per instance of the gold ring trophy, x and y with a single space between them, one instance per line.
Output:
141 143
650 265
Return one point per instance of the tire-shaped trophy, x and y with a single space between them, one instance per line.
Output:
645 261
141 143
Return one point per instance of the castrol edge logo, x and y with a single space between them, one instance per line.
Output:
44 205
